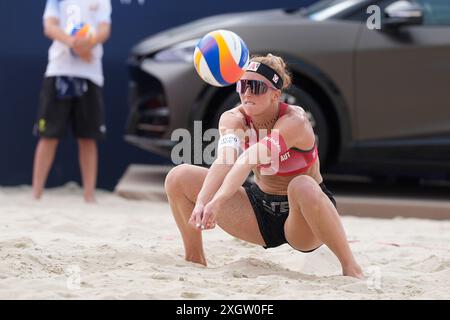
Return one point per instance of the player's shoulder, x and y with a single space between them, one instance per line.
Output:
296 114
232 119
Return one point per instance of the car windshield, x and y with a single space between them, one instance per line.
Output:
328 8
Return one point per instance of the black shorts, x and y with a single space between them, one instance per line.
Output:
85 114
271 212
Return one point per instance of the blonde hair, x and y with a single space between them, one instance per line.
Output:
277 63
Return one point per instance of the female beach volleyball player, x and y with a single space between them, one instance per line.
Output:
287 203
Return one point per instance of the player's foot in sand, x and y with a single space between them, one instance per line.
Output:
36 195
89 199
354 271
196 259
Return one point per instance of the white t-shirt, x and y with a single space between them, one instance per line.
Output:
61 61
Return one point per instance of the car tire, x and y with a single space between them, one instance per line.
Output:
301 98
293 96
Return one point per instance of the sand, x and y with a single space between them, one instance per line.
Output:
62 248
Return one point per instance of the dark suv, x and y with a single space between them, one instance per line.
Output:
374 76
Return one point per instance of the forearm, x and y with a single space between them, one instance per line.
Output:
234 179
54 32
214 179
103 33
252 157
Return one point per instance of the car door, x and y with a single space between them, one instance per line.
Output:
402 88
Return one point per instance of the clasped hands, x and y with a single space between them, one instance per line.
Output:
83 47
203 217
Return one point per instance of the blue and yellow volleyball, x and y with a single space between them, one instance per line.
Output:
221 57
82 30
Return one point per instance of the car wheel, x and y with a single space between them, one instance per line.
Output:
293 96
299 97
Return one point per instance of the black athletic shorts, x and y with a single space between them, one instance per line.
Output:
271 213
84 113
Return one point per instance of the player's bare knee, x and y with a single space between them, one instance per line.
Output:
301 186
306 191
176 177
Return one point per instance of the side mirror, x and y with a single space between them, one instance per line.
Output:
402 13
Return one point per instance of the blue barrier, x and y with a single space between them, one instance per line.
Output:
23 58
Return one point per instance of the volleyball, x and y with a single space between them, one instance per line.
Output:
82 30
220 58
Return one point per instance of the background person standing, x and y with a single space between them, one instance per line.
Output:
72 88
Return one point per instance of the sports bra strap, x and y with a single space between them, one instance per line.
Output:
283 109
248 119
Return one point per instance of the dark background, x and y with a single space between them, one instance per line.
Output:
23 59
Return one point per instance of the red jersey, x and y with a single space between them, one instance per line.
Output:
293 161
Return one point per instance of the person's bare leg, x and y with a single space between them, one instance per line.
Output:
182 207
313 220
236 217
43 159
88 158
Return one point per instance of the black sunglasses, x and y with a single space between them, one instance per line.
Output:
257 87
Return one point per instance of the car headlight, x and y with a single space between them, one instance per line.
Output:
181 52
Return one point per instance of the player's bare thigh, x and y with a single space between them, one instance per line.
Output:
236 216
297 230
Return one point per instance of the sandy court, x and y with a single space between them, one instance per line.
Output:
62 248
